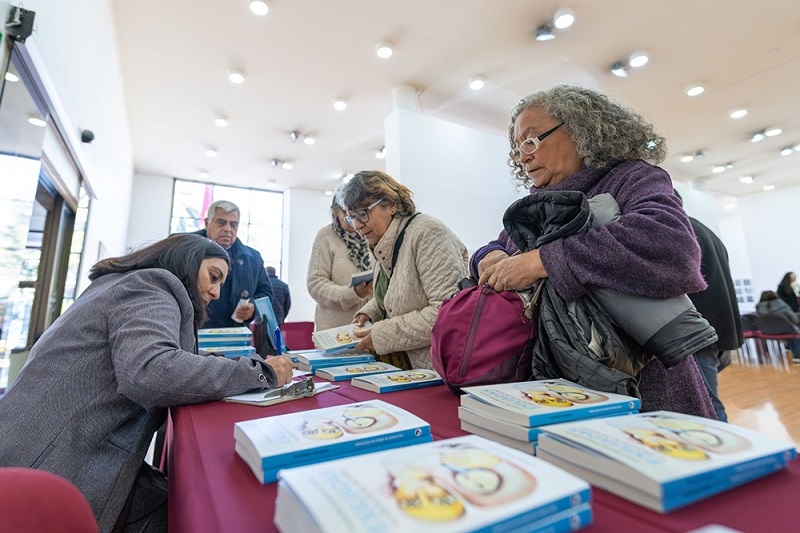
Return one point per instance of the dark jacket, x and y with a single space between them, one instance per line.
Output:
282 300
246 274
718 302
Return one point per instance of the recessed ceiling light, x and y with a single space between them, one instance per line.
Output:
236 76
211 152
259 7
339 104
203 175
773 132
768 187
346 178
638 59
687 158
380 154
271 184
10 76
221 122
738 113
563 18
718 169
287 165
695 90
384 50
787 151
477 83
309 139
328 193
758 137
36 121
746 179
797 148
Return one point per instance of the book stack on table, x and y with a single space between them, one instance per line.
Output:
313 360
461 484
662 460
514 413
230 342
398 380
295 439
346 372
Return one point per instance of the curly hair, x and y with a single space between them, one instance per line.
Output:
374 184
603 130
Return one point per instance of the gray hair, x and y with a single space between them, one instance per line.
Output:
225 206
374 184
603 130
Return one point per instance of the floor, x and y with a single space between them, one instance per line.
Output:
763 398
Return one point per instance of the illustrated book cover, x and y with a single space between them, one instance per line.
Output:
662 460
221 337
232 351
294 439
343 373
315 359
398 380
461 484
341 338
361 277
549 401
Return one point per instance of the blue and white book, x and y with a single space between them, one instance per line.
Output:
398 380
361 277
210 338
345 372
316 359
549 401
662 460
294 439
342 338
522 445
232 351
461 484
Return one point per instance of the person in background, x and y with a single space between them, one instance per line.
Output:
420 262
338 252
281 300
569 138
718 305
770 304
247 273
99 381
788 291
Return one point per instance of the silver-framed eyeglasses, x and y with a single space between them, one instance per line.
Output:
528 146
362 215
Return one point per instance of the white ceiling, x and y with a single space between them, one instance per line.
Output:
176 55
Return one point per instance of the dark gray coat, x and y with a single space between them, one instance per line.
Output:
98 382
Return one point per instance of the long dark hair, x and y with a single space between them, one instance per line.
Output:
785 285
180 254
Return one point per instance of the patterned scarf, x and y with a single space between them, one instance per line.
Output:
357 247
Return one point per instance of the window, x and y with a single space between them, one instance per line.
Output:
260 224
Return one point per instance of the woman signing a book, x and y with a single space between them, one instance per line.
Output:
98 382
420 261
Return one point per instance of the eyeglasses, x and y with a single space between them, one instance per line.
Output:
528 146
362 215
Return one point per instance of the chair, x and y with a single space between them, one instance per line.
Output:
35 500
297 335
774 331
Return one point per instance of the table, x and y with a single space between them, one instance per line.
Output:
212 490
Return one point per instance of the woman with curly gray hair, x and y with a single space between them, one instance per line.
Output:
568 138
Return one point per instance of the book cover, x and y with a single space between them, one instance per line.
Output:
522 445
361 277
268 444
209 346
232 351
549 401
238 333
398 380
663 460
265 318
341 338
315 359
461 484
343 373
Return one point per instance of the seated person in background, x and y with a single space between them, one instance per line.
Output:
568 138
787 291
420 262
338 252
99 381
770 304
282 298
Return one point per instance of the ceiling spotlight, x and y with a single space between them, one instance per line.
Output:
339 104
236 76
563 18
787 151
10 76
746 179
772 132
275 162
221 122
380 154
477 83
545 33
259 7
294 136
768 187
738 113
36 121
619 69
211 152
758 137
695 90
384 50
687 158
309 139
638 59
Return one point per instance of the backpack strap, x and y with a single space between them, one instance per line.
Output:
399 242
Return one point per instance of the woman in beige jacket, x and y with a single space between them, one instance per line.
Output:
338 252
419 264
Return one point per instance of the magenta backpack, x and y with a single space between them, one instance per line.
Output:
482 337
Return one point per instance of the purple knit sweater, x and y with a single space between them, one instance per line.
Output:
649 251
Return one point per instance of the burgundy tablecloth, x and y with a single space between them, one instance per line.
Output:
212 490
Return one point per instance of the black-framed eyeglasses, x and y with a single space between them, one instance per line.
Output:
362 215
528 146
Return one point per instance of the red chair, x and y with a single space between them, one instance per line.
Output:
33 501
297 335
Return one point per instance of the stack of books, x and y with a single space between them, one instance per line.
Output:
662 460
296 439
345 372
339 339
398 380
514 413
230 342
461 484
313 360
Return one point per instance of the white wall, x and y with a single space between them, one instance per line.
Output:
151 209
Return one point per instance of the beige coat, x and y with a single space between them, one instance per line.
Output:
430 263
328 281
